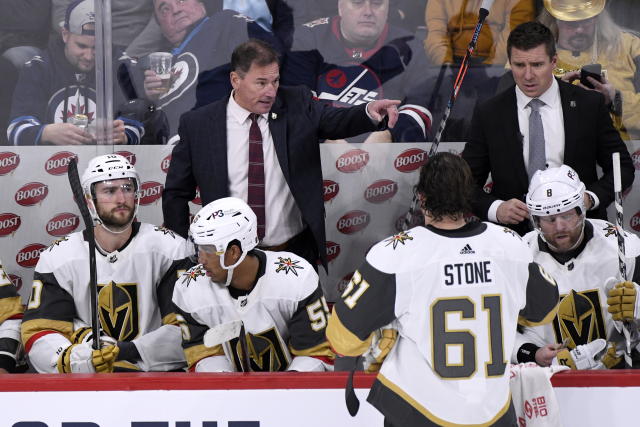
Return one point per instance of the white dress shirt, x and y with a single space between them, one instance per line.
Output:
283 219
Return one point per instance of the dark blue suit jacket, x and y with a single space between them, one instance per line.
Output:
200 158
495 146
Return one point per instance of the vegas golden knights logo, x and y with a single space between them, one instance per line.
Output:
266 353
118 310
579 318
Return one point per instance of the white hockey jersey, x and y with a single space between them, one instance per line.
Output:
135 285
284 316
457 296
582 313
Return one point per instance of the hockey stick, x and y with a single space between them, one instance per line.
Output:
244 362
78 196
622 266
462 72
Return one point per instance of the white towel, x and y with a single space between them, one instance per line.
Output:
532 394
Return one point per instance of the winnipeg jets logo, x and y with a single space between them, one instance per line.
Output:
192 274
57 242
401 237
77 103
165 231
287 265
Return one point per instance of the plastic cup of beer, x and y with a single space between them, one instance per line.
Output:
160 63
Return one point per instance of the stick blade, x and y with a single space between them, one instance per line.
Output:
222 333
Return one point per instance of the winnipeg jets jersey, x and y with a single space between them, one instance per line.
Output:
345 76
284 316
457 296
10 317
51 90
135 285
582 313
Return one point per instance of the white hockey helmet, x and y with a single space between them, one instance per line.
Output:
555 190
223 221
107 167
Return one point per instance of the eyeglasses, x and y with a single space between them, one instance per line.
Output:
209 249
110 192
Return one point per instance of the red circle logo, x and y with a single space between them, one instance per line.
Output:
150 192
131 158
28 256
62 224
197 200
59 162
9 223
634 222
353 221
336 78
333 250
344 282
31 194
331 189
164 164
410 160
636 159
381 191
8 162
352 161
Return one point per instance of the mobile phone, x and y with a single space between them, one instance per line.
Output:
591 70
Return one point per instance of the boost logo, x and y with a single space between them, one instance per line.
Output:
333 250
164 164
410 160
28 256
150 192
353 221
127 155
352 161
635 221
62 224
381 191
9 223
8 162
331 189
16 280
59 162
31 193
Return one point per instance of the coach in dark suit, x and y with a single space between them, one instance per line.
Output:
283 185
572 126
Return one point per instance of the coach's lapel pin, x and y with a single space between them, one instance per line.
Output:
274 116
572 104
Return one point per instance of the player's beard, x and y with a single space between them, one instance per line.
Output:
113 221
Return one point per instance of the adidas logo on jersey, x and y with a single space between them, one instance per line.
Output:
467 250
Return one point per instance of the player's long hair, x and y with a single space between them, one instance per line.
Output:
445 187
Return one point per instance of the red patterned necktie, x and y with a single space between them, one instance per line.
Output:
256 174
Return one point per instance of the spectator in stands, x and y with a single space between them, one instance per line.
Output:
586 34
538 123
133 27
136 268
357 57
285 312
23 29
55 100
451 23
582 255
221 151
201 46
10 318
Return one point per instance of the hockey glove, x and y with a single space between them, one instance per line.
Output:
623 301
383 341
612 358
586 356
81 358
85 335
414 124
